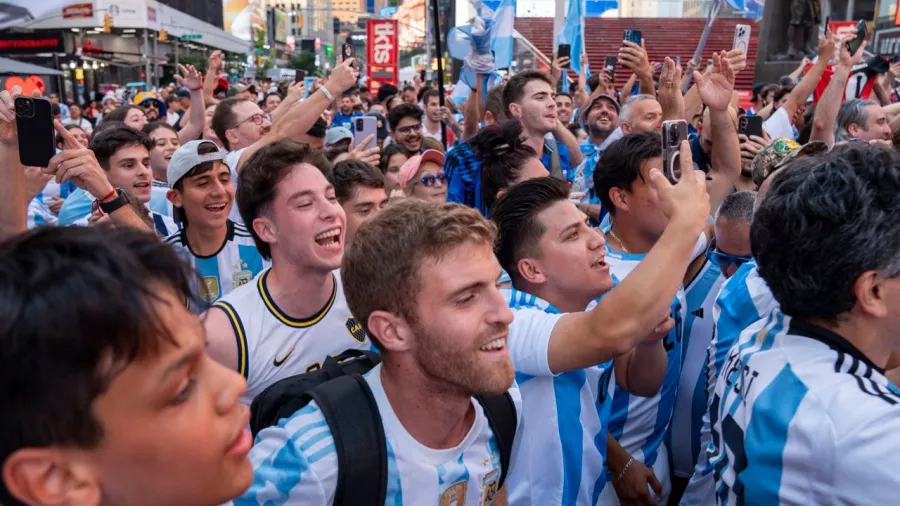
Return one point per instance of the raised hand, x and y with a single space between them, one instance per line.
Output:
78 163
215 61
635 58
686 202
344 76
370 155
717 87
190 77
845 59
669 93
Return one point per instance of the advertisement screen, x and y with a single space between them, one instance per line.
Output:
242 18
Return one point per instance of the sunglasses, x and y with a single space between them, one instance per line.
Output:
724 260
149 105
430 181
411 128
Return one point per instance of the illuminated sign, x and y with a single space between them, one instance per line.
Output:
31 43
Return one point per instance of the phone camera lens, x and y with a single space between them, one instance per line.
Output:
673 137
25 108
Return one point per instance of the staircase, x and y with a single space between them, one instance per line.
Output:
663 37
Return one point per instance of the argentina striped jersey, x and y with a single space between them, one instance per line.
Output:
563 443
801 416
295 462
683 436
743 300
236 263
639 423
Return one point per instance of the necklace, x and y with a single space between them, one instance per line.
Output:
614 236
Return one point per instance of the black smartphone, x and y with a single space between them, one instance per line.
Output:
751 125
348 50
673 132
633 36
609 65
35 125
299 76
564 51
861 33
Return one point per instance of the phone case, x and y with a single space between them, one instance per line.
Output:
610 64
750 125
633 36
741 37
673 132
35 126
369 126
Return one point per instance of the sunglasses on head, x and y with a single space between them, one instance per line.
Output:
724 260
431 180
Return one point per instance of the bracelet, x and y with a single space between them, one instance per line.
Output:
108 195
198 88
624 470
327 94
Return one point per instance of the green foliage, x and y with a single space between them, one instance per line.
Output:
305 60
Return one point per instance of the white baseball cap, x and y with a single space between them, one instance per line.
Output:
188 156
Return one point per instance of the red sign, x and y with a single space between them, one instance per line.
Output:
31 43
841 28
382 51
78 11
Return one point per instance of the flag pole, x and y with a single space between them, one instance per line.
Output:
436 26
710 19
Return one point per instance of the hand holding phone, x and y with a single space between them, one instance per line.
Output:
609 65
633 36
861 34
741 37
751 125
564 51
673 132
34 124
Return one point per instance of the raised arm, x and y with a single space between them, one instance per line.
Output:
79 164
798 72
13 212
630 312
212 76
581 94
670 98
563 135
294 94
808 84
472 116
190 79
299 120
635 58
830 101
716 92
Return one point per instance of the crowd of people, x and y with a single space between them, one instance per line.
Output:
501 301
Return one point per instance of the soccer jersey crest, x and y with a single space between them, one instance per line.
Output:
356 330
490 486
241 274
209 288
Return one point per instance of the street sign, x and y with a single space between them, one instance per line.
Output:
192 36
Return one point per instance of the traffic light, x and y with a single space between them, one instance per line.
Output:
107 23
163 35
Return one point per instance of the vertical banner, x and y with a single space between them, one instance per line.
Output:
382 52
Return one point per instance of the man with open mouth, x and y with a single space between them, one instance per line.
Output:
293 315
201 192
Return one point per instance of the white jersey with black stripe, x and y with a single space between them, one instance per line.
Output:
273 346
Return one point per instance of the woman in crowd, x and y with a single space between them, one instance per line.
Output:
393 156
422 177
129 114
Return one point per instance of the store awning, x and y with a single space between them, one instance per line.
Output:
8 66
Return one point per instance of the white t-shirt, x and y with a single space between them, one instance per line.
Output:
779 125
296 463
231 160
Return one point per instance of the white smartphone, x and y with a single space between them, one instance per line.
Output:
742 37
364 126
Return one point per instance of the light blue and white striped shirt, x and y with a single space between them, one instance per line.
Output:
801 416
683 436
236 263
639 423
563 443
296 463
743 300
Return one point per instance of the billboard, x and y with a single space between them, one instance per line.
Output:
281 25
382 51
244 18
17 12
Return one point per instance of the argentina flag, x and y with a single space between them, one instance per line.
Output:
502 33
573 32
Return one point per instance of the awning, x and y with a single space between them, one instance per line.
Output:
8 66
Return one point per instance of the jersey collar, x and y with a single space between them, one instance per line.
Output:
832 339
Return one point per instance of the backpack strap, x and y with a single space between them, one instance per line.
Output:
556 170
500 411
352 415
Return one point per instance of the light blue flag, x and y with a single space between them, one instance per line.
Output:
502 33
737 5
573 32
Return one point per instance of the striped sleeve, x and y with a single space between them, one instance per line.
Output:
293 463
240 336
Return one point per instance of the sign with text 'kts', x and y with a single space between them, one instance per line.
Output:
382 52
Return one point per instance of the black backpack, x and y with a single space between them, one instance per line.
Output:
349 408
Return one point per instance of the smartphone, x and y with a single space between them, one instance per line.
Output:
35 125
564 51
751 125
364 126
610 65
348 50
673 132
633 36
861 33
741 37
299 76
678 60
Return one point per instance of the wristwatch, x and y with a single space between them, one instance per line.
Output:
114 204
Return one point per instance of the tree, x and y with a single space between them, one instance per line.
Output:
305 60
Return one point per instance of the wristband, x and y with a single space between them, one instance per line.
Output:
327 94
198 88
115 204
109 195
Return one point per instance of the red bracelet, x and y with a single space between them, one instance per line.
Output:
109 195
196 89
